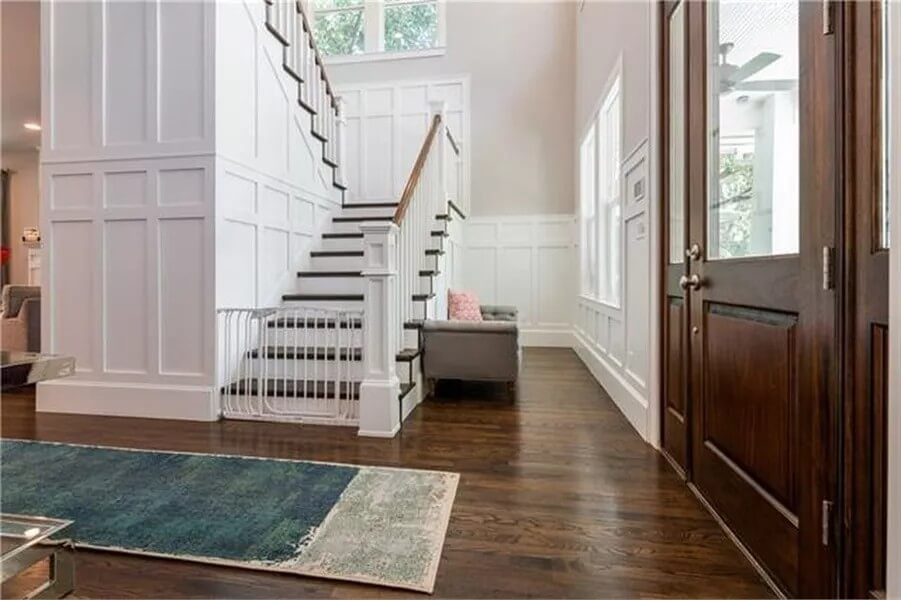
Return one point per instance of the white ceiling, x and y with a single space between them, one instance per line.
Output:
20 87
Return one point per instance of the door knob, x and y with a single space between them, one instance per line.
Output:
694 253
693 282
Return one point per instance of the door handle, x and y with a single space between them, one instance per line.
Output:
693 282
694 252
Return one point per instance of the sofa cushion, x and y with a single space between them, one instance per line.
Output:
463 306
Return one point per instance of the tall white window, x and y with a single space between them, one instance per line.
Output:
357 27
601 201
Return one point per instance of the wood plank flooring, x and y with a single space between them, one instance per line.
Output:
558 497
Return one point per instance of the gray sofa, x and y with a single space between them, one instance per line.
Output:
20 318
471 350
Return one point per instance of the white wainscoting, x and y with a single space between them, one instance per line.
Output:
615 342
386 125
274 192
127 195
529 262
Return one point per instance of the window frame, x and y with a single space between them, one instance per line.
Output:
605 257
374 31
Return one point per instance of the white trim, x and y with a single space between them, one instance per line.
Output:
347 59
893 558
143 400
655 217
624 395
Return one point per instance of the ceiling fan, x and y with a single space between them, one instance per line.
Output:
732 77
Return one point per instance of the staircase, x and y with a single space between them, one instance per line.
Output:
307 359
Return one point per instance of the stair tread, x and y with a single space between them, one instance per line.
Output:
295 388
419 297
444 217
361 219
342 236
413 324
405 388
308 353
336 253
408 354
429 273
440 234
371 205
292 323
343 297
329 273
434 252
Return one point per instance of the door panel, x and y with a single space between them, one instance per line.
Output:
750 330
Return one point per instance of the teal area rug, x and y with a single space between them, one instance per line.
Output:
368 524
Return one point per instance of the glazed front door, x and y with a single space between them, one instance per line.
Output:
751 357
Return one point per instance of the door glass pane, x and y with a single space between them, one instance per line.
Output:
752 82
677 134
887 82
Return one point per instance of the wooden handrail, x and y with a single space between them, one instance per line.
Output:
416 173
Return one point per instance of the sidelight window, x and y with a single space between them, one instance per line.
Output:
601 201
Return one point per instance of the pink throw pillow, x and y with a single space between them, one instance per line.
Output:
463 306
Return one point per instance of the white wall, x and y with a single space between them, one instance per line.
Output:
127 184
386 125
273 191
519 59
528 262
24 203
619 344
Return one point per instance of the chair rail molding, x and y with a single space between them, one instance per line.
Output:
526 261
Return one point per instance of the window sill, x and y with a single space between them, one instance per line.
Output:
384 56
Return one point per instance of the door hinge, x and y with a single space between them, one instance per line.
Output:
826 525
827 17
828 268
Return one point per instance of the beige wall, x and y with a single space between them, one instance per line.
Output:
24 208
519 57
606 30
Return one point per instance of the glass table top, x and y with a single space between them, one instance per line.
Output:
20 532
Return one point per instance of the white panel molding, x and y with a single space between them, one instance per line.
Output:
526 261
617 343
387 122
153 401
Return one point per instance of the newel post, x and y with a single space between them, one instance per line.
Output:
379 406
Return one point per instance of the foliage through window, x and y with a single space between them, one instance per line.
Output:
347 27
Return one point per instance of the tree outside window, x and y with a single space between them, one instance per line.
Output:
348 27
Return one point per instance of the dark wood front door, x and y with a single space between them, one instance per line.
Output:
751 361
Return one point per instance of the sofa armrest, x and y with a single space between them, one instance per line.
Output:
491 312
500 327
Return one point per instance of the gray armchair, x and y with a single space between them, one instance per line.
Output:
20 319
471 350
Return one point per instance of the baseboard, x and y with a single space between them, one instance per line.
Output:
626 397
546 338
379 434
150 401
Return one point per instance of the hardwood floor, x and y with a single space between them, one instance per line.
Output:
558 496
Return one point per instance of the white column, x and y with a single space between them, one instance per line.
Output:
379 391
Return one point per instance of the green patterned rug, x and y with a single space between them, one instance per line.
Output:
368 524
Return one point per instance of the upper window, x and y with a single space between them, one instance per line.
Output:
359 27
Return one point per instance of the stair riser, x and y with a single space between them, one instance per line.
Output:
314 337
336 263
330 285
355 244
411 338
341 227
348 211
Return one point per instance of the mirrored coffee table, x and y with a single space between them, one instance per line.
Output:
26 541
